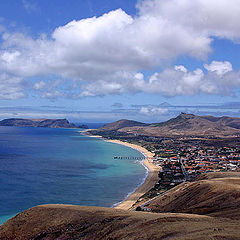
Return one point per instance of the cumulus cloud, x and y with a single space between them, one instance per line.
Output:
219 68
106 54
220 78
150 111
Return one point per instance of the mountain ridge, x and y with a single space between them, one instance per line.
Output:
182 125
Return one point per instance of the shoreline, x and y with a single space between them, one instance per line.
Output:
150 180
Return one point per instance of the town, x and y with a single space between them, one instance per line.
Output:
183 159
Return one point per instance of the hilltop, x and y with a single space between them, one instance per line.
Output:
207 208
123 123
47 123
182 125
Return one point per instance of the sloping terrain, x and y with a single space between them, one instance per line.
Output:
187 125
208 208
216 194
48 123
121 124
62 222
228 121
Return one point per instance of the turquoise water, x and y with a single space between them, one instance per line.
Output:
43 166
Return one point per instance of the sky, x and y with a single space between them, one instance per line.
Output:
104 60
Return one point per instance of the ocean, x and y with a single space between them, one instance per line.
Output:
50 166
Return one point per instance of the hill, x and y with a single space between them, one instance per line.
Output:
228 121
66 222
208 208
123 123
188 125
212 194
47 123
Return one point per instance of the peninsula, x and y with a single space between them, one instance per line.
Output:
46 123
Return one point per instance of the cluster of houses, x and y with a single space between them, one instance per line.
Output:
185 162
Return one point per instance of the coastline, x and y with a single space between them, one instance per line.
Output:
149 182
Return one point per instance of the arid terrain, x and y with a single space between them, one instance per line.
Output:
208 208
182 125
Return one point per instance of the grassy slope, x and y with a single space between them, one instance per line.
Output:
72 222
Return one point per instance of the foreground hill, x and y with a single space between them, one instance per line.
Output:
182 125
123 123
212 194
215 197
48 123
65 222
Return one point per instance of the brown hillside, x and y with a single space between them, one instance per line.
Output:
121 124
208 208
228 121
185 125
213 175
64 222
215 195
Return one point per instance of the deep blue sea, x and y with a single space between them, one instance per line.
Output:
44 165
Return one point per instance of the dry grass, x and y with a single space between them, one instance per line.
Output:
215 199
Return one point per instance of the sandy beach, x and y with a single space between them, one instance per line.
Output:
150 181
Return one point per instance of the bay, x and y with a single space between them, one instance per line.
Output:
50 166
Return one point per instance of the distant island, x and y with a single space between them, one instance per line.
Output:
45 123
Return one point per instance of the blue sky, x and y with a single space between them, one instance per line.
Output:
99 61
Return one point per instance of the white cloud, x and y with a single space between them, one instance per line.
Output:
219 68
219 79
150 111
180 68
106 54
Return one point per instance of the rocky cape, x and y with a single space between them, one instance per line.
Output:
46 123
207 208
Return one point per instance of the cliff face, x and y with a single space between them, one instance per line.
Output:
47 123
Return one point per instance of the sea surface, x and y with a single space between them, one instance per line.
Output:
44 165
